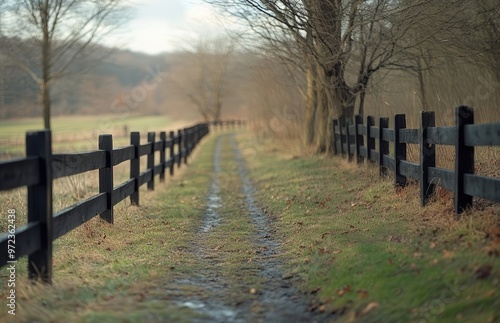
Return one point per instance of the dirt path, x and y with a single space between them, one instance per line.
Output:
250 291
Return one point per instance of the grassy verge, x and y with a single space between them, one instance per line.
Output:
118 272
371 253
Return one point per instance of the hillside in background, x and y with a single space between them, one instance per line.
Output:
123 82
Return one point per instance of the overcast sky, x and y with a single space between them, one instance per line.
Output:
161 25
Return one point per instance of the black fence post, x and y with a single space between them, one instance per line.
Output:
196 132
343 132
172 153
348 140
189 134
335 125
399 149
186 144
40 205
151 161
464 159
383 145
163 138
427 157
135 140
106 176
358 120
370 142
179 147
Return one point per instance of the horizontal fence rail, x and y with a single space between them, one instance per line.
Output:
40 167
358 141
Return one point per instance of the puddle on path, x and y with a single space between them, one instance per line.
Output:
208 293
282 302
212 217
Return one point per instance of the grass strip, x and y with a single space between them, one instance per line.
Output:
370 253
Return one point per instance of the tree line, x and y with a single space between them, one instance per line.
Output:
338 47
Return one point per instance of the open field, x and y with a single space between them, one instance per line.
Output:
71 133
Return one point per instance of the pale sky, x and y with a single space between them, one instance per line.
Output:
161 25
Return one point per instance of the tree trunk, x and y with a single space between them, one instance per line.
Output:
321 118
325 115
46 58
361 110
311 104
45 100
217 112
421 84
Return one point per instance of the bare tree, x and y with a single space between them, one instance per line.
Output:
341 43
49 39
210 59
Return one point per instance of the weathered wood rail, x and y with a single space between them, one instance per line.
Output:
41 167
349 140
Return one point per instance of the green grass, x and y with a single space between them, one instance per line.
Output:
374 254
367 252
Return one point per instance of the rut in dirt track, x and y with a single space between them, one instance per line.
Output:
278 300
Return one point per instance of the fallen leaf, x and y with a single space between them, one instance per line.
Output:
314 291
494 232
370 307
362 293
107 297
448 254
490 293
253 291
323 250
483 272
344 290
432 245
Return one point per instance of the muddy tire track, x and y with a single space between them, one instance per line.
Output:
208 292
283 302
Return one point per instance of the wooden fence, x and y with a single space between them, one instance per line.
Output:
41 167
227 124
350 140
